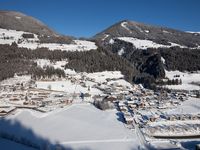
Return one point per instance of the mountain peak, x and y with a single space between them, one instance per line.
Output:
141 31
19 21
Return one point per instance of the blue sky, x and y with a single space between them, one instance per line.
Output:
84 18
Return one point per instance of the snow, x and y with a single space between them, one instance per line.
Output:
66 86
120 82
191 106
46 62
174 128
14 36
147 31
121 52
144 44
164 31
124 25
186 78
164 145
111 41
70 72
101 77
76 126
79 45
163 60
105 37
17 17
33 43
177 127
193 32
111 77
15 80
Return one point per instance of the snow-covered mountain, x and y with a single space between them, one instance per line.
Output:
145 46
21 22
18 21
33 41
31 33
146 36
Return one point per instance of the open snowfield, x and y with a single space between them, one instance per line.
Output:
16 79
144 44
186 77
114 77
78 126
66 86
10 36
101 77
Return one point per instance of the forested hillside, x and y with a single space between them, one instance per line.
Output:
20 60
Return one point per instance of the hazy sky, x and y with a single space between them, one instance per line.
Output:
88 17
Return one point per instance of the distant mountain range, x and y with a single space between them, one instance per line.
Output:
146 50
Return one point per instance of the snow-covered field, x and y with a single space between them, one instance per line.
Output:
101 77
10 36
144 44
88 85
16 79
77 126
186 77
66 86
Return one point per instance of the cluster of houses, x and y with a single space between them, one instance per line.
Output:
173 130
24 94
142 106
174 117
147 109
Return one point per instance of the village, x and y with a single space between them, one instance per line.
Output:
141 110
22 92
161 115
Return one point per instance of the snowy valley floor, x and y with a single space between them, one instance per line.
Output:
79 126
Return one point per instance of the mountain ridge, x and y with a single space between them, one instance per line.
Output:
21 22
157 34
